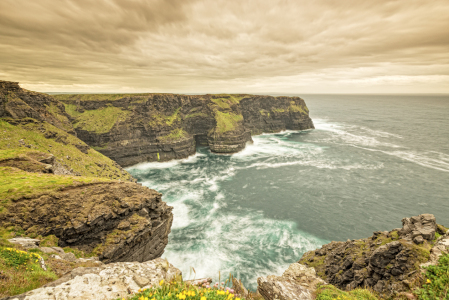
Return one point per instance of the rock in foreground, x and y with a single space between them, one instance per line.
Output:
110 281
390 262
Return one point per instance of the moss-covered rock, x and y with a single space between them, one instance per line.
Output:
387 262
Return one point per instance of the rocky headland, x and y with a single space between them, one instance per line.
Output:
389 263
138 128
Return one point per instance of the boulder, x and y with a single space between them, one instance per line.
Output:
25 242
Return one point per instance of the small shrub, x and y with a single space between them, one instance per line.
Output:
437 281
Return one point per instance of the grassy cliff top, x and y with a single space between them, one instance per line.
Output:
69 151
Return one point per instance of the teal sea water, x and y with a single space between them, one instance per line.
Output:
371 161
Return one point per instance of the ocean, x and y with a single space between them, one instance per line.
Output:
371 161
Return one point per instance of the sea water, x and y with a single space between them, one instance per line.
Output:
371 161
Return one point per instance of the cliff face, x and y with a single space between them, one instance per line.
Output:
55 184
391 263
115 221
159 127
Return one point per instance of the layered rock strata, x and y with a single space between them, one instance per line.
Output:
116 221
388 262
159 127
112 281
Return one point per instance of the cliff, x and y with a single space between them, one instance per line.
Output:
159 127
390 263
54 184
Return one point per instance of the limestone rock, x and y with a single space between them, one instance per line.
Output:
110 281
25 242
297 282
419 228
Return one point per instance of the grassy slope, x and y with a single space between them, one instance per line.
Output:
62 147
100 120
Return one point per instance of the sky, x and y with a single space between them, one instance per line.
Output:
226 46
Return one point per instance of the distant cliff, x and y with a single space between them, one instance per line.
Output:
137 128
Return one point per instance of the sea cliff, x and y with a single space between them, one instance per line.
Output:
138 128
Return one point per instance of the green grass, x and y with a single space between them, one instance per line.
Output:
296 108
161 120
437 281
175 134
57 113
71 110
61 145
227 121
17 184
330 292
22 272
100 120
226 101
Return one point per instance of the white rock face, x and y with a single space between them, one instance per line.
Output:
109 281
297 283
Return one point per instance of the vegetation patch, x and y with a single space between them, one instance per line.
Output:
179 290
174 135
330 292
160 120
21 272
296 108
100 120
278 110
227 121
71 110
18 184
437 281
34 138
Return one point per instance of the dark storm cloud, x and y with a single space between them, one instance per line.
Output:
226 45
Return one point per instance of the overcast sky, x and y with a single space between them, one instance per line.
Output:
199 46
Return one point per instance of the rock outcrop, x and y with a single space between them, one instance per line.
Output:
112 281
159 127
116 221
18 103
388 262
298 282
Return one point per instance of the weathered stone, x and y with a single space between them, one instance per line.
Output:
384 262
25 242
297 282
110 281
69 257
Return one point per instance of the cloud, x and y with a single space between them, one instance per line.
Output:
225 45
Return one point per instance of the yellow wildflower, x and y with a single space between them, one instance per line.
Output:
428 281
161 282
203 298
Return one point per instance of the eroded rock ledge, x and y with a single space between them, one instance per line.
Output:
389 262
116 221
138 128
